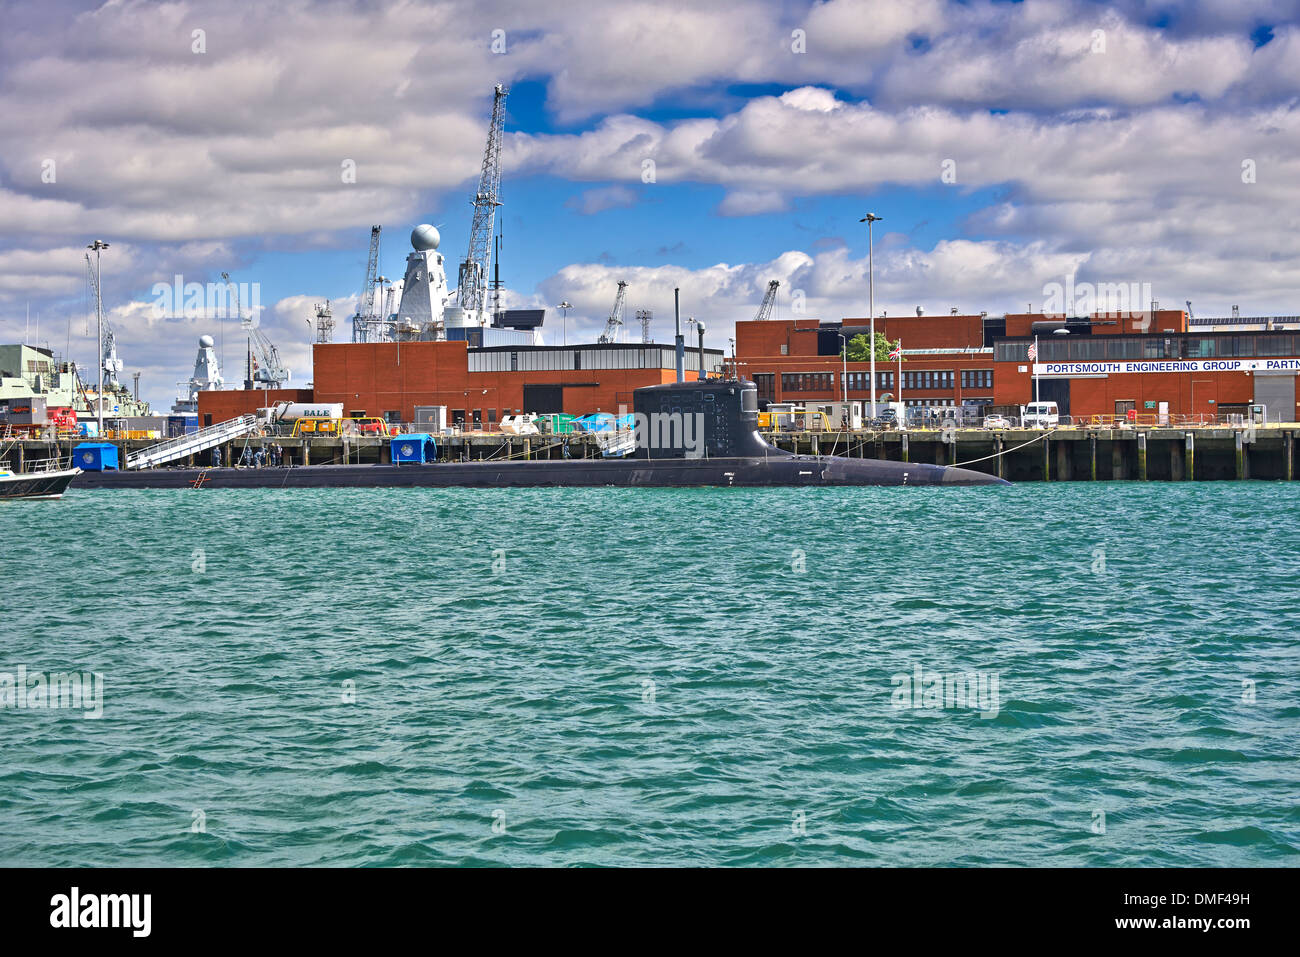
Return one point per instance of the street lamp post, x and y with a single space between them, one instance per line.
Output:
844 370
564 307
98 245
871 302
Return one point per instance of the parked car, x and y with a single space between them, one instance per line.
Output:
996 422
887 419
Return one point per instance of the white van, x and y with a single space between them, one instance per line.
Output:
1040 415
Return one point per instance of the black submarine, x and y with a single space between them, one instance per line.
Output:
689 434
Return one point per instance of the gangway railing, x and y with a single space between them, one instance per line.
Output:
184 445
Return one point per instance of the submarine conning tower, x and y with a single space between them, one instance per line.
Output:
673 415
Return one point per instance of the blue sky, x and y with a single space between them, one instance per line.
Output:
542 232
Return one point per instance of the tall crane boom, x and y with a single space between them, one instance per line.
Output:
108 341
472 281
264 357
769 299
614 324
366 326
366 306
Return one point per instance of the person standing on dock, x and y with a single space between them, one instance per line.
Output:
216 456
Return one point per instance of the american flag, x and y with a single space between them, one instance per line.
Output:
1033 352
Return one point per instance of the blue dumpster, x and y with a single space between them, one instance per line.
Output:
417 447
95 456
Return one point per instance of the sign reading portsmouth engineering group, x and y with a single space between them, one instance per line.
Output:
1137 366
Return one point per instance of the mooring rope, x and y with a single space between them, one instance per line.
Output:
1003 452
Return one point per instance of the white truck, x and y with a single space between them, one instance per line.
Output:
286 413
1040 415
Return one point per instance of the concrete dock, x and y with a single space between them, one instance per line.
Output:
1019 455
1029 455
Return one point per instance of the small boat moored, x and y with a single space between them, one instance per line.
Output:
47 484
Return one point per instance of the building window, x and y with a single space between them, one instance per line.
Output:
1094 348
977 378
807 382
393 418
928 379
766 382
861 381
1011 351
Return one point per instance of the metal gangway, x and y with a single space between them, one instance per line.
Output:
184 445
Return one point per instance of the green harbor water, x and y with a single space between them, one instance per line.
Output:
656 677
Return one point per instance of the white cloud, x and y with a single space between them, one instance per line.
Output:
593 201
1084 59
810 98
747 202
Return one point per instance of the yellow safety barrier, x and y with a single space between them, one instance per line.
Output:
802 420
354 425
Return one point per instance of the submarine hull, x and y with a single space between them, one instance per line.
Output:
751 472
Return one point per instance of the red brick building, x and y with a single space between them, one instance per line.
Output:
946 360
1151 364
221 405
1154 364
477 385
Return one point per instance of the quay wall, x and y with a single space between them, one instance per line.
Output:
1019 455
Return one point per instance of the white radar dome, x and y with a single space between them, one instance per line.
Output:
425 237
206 342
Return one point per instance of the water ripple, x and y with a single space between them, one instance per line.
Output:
608 676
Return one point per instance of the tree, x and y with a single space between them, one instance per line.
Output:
860 351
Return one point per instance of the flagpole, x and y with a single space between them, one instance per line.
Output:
1031 368
900 371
